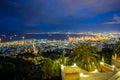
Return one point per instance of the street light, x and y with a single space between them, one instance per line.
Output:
81 74
74 65
62 66
96 71
23 39
113 67
102 63
0 39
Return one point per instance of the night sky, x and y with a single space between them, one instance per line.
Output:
21 16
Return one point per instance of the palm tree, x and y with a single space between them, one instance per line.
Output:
85 56
63 58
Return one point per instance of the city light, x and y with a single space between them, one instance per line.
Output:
60 39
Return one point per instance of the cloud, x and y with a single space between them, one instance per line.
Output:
43 14
115 20
35 12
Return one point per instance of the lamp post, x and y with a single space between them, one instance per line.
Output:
0 40
101 65
113 67
23 39
74 65
10 38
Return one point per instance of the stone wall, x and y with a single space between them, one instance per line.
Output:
70 73
97 76
75 73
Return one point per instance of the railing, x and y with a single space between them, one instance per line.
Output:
117 75
110 67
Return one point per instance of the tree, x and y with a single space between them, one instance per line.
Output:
50 69
106 54
85 56
116 51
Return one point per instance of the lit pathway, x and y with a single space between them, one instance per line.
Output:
116 76
75 73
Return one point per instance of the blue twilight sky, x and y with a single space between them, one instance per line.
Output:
21 16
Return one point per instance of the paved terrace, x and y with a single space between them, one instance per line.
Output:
75 73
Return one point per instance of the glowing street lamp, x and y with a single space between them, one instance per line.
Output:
102 63
113 67
96 71
62 66
0 39
23 37
81 74
74 65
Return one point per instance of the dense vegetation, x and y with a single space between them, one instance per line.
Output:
46 65
85 56
28 66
